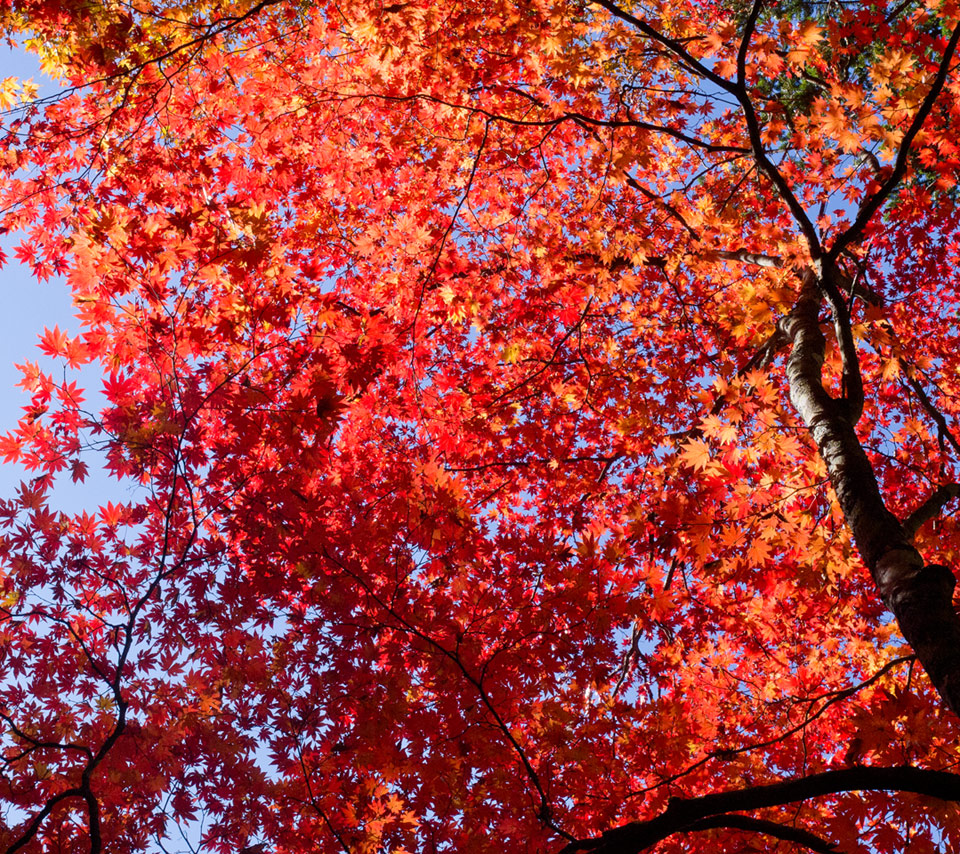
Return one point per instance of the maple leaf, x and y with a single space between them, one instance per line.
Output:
512 408
54 341
696 454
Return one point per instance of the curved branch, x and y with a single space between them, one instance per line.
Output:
685 814
38 819
756 140
214 29
931 508
545 811
942 426
768 828
676 48
580 119
739 90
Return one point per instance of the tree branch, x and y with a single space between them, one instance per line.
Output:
831 279
686 58
932 410
756 141
873 204
670 209
684 814
920 597
759 260
545 811
577 118
769 828
931 508
37 821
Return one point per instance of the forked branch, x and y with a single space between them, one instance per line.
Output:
683 815
920 596
931 508
876 201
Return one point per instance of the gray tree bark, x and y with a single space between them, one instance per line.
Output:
919 595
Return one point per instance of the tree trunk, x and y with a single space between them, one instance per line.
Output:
920 596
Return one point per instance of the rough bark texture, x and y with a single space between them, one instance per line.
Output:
920 596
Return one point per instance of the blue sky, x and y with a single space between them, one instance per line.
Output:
29 306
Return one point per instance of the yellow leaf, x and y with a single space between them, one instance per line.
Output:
695 454
8 92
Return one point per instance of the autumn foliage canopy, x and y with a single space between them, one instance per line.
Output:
538 424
